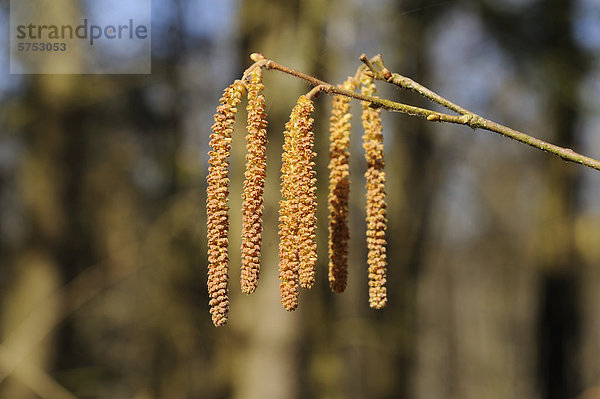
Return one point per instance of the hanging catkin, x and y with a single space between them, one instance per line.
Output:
297 245
252 198
216 202
307 209
339 188
376 206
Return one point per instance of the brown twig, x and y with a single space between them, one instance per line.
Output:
471 119
464 117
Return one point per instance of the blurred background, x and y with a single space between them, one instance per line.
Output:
494 247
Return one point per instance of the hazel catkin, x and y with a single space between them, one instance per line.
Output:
252 197
297 245
216 202
376 205
339 189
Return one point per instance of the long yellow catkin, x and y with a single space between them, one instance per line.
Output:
376 206
307 209
252 198
216 202
339 189
297 245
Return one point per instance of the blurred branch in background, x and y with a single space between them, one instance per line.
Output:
32 376
22 340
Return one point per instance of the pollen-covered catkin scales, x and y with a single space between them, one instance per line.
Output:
307 208
339 188
376 206
288 223
297 246
216 202
252 198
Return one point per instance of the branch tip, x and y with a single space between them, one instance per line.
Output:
369 64
387 75
257 57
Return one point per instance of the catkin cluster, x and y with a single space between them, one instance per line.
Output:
297 245
376 205
297 220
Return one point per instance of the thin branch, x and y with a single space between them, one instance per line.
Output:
465 117
363 57
473 120
332 90
408 84
38 380
81 289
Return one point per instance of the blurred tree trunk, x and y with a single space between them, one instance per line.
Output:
41 264
560 67
45 183
268 364
414 163
562 271
477 311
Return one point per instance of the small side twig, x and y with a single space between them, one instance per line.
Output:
314 93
